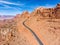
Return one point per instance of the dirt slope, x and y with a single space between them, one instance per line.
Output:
48 30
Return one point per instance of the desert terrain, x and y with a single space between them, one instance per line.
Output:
41 27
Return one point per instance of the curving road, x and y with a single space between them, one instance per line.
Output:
38 40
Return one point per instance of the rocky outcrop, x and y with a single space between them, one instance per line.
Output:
47 12
57 11
25 14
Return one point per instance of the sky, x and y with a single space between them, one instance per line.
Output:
13 7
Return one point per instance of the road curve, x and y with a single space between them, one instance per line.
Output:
38 40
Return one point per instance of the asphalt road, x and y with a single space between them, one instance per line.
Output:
38 40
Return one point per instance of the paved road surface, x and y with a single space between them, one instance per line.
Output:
38 40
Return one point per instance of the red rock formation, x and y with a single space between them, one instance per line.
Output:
57 11
47 12
25 14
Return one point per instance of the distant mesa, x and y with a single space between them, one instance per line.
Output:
2 17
